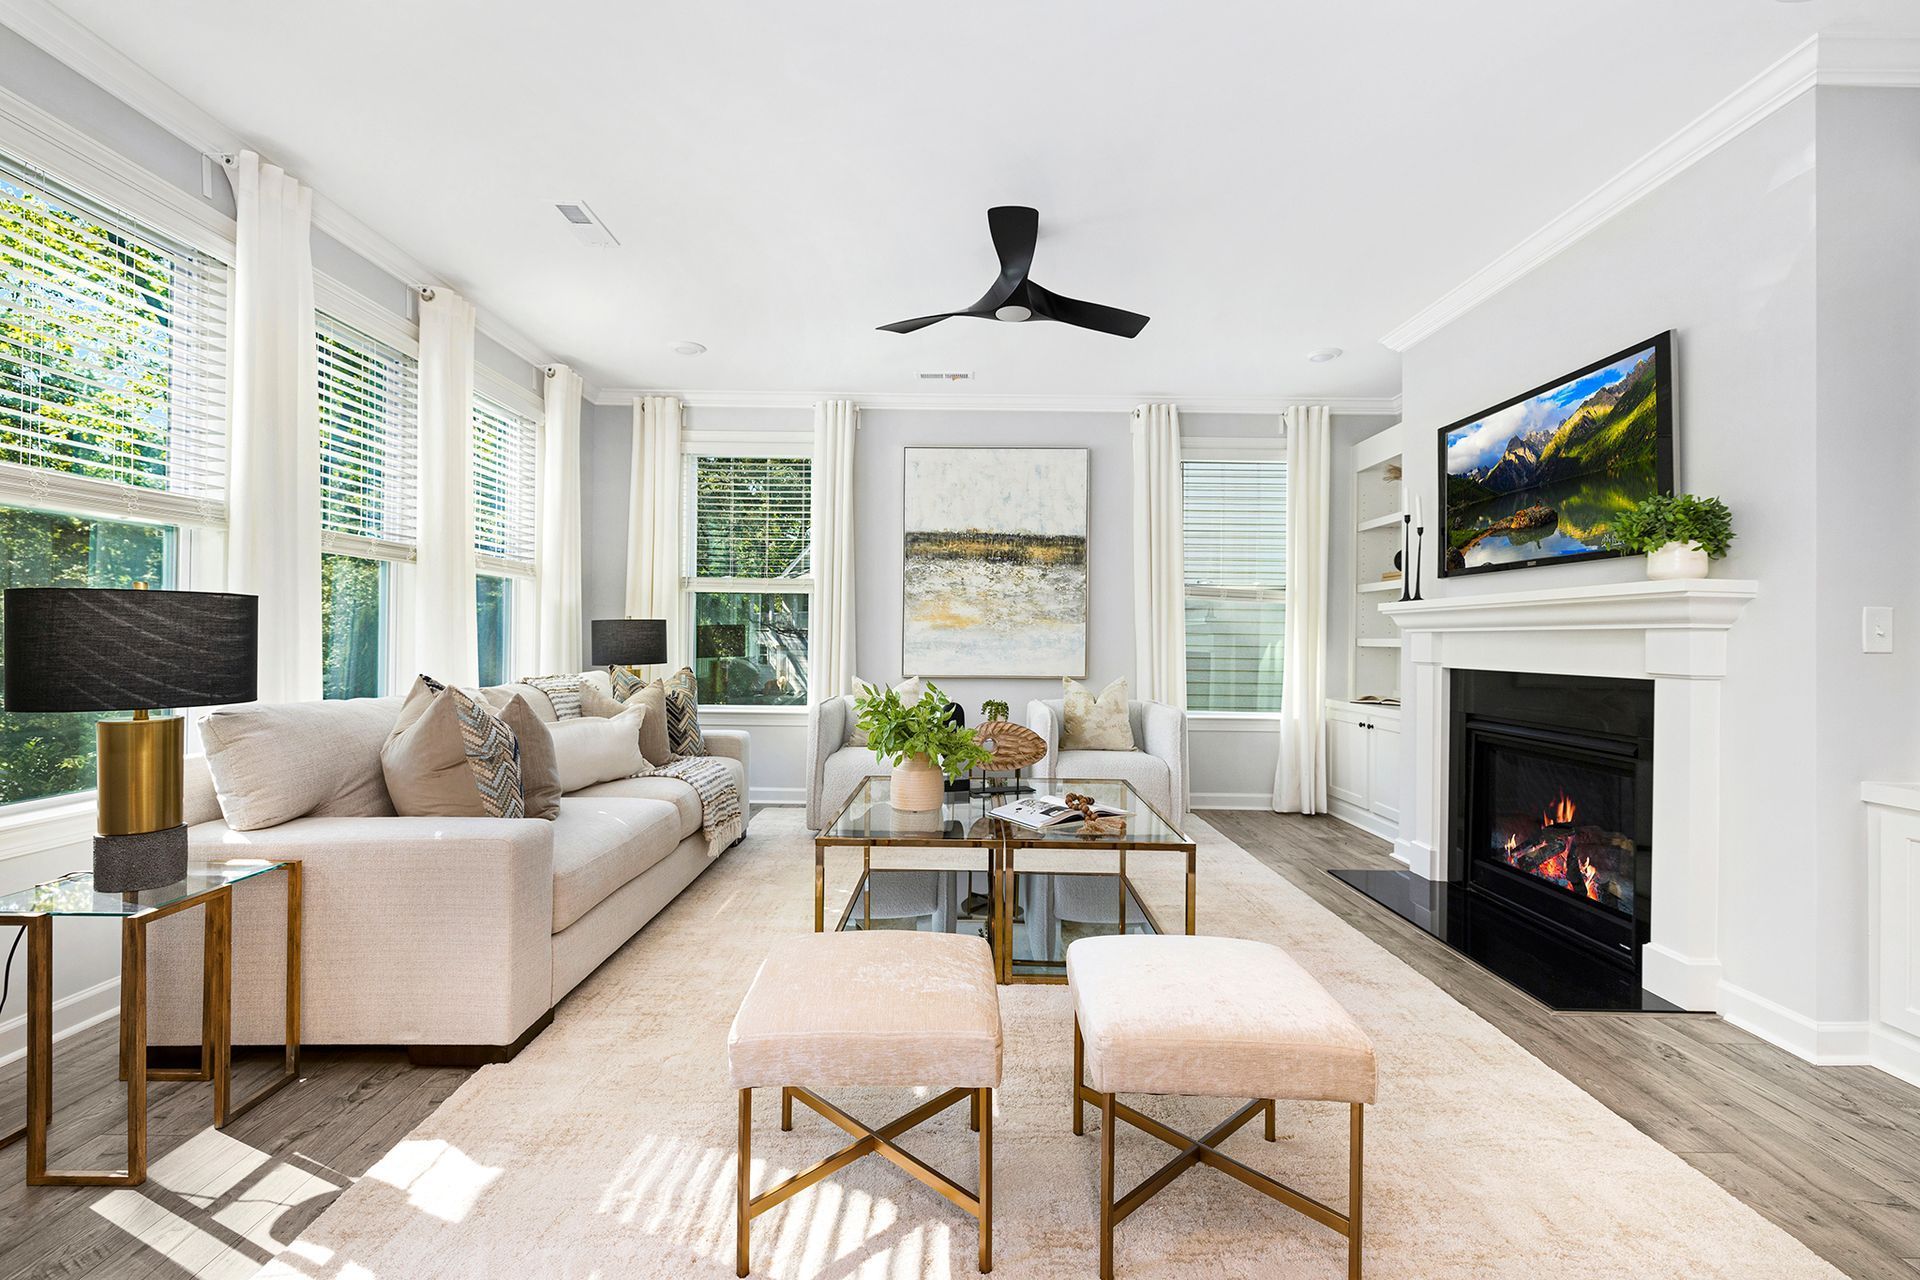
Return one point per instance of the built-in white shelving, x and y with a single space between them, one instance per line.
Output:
1373 662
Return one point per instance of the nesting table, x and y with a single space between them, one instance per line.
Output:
208 885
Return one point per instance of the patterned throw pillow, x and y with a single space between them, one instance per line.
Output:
562 691
492 753
683 715
625 683
1090 724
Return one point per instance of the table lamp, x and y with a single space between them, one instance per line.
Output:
629 642
103 649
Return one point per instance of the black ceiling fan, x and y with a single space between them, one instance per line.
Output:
1014 297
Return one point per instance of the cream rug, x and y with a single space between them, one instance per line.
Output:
607 1148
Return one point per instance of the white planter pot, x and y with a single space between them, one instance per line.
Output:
918 785
1678 560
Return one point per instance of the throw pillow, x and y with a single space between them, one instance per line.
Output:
909 691
1095 724
539 773
562 691
683 715
449 756
591 749
652 698
625 682
272 763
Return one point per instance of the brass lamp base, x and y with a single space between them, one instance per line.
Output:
148 860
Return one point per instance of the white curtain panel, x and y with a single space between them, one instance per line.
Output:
1159 558
557 544
273 498
835 423
1300 782
653 520
446 644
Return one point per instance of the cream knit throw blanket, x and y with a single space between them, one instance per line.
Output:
721 815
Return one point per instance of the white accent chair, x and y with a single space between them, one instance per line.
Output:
835 767
1157 766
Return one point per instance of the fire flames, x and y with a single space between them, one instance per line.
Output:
1590 874
1559 813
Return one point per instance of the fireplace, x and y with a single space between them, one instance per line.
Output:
1552 805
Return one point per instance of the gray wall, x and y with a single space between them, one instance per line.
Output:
1796 403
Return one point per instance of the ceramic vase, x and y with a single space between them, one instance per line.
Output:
1678 560
918 785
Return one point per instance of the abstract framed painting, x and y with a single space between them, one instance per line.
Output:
994 563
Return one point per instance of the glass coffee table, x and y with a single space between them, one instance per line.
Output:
1030 894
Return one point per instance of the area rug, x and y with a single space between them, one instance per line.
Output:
606 1149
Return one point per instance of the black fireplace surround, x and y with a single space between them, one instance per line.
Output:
1552 804
1550 841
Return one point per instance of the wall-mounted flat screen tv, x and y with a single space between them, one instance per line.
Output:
1540 478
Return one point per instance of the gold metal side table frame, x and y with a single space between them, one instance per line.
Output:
216 1028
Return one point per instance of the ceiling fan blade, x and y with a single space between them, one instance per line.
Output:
1015 229
1086 315
921 322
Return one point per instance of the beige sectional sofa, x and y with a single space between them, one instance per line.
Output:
454 937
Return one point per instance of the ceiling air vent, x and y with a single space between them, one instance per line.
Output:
935 376
587 228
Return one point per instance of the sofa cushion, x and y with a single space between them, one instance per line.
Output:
589 749
1148 774
274 762
539 700
677 793
842 775
600 843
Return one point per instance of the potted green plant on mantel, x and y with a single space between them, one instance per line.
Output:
1679 535
924 746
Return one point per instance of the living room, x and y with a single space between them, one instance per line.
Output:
1348 708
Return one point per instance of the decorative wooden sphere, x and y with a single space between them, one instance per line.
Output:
1014 746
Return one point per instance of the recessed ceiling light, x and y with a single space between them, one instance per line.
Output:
1324 354
685 348
1013 314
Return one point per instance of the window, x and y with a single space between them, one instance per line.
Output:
369 499
504 480
493 601
112 424
749 523
1235 527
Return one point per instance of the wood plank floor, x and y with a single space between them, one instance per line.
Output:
1831 1154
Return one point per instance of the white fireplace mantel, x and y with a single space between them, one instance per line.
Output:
1672 633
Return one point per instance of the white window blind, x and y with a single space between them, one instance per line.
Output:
369 444
751 518
504 447
113 359
1235 527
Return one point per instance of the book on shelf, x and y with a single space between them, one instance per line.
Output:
1040 812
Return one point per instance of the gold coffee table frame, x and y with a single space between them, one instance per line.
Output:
1003 843
216 1019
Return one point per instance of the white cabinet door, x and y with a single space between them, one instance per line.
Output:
1383 770
1898 936
1347 765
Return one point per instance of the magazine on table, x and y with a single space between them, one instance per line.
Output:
1040 812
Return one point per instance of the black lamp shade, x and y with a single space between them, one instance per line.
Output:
102 649
629 642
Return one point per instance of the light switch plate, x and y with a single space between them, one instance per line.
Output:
1876 629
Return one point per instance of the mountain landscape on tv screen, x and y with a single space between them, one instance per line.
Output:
1548 476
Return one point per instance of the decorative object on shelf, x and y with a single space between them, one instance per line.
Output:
1419 551
994 574
1679 535
921 742
1094 823
1539 478
106 650
1406 545
995 709
629 642
957 715
1015 748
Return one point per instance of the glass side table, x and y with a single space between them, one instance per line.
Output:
207 884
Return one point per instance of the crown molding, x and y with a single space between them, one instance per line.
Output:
1853 61
1376 406
90 56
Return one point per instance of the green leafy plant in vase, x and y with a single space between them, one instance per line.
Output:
1679 536
920 741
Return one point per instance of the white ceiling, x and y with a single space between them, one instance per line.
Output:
1261 178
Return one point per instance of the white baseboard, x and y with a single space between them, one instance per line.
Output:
1232 800
71 1014
1826 1044
1894 1052
1687 981
1372 824
777 795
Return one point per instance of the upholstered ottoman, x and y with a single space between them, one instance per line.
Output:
1211 1017
849 1010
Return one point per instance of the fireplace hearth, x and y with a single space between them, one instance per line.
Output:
1549 858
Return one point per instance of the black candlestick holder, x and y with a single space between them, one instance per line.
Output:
1419 544
1406 570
